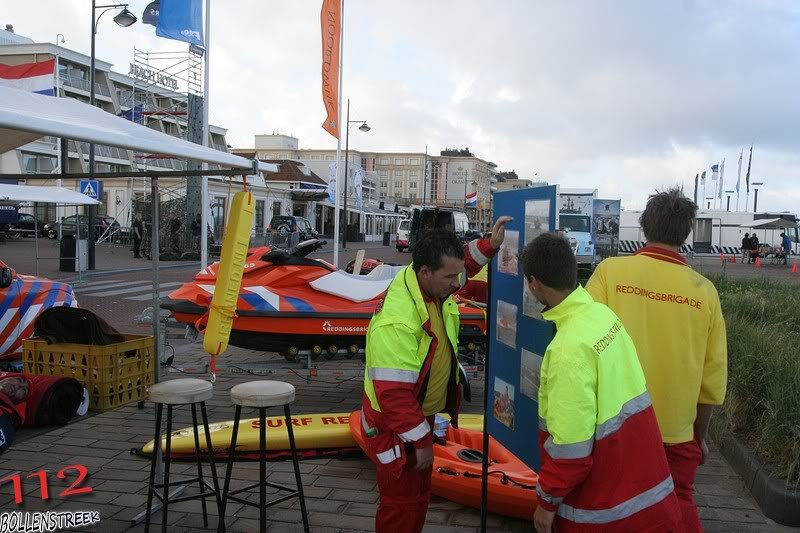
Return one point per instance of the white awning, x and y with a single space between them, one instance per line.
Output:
44 195
772 223
24 117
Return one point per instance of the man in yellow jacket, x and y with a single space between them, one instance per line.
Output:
603 468
412 372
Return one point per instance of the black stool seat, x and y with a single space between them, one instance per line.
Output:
262 395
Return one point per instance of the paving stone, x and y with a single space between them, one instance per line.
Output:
341 521
473 518
337 471
116 485
313 504
727 502
360 509
356 496
338 482
90 462
451 529
740 515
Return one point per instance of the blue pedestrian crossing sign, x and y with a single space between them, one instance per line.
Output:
92 189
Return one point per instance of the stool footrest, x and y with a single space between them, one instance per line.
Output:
267 483
269 504
207 485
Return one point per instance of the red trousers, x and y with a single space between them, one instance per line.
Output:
683 459
404 500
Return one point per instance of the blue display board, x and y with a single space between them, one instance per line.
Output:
518 334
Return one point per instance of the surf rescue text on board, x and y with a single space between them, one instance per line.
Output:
303 421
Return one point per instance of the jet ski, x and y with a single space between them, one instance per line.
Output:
295 305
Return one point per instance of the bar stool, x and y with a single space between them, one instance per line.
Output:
261 395
172 393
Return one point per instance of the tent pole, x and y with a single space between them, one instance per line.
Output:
36 238
154 193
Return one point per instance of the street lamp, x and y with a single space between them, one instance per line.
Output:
124 18
365 128
729 193
62 39
756 185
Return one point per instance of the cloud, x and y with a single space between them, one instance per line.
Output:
624 96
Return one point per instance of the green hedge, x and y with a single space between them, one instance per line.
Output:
763 401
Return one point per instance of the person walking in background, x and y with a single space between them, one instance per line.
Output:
675 319
786 243
603 466
753 248
745 246
138 231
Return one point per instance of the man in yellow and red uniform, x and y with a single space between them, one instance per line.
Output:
412 373
603 467
673 315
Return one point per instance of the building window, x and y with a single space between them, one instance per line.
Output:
413 161
412 185
383 184
276 209
384 161
383 195
384 173
260 215
398 173
412 173
218 211
329 158
412 195
397 185
38 164
399 162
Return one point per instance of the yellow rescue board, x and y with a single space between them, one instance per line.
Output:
229 278
311 432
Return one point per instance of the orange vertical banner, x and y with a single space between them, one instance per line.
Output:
330 21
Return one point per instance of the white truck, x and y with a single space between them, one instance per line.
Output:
575 209
718 231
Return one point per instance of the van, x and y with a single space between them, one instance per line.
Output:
428 218
401 241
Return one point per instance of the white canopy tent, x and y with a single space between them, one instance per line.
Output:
772 223
44 195
24 117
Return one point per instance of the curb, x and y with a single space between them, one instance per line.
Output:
776 500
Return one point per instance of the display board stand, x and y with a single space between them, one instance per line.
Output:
517 336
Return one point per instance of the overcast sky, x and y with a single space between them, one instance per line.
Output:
622 95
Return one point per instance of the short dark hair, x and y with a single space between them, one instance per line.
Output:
433 246
549 259
668 217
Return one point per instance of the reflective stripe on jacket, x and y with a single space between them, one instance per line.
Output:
399 354
602 457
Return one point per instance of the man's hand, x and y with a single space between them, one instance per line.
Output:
424 458
543 520
499 232
704 449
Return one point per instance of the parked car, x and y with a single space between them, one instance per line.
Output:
25 298
27 225
290 224
102 222
401 241
428 218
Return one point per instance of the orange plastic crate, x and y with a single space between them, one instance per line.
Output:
114 374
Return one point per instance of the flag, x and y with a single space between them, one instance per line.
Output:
330 23
150 15
714 172
358 180
471 200
721 178
747 177
739 179
31 77
703 178
332 183
181 20
696 180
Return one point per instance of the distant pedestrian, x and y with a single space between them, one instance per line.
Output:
138 231
745 246
786 243
174 234
753 248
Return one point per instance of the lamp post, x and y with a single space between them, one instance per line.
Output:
756 185
124 18
729 193
365 128
62 39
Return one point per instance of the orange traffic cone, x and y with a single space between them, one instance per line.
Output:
721 258
794 267
733 258
758 262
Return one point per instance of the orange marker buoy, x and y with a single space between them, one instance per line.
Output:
794 267
758 262
733 258
721 258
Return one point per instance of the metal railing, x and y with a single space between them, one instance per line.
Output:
80 83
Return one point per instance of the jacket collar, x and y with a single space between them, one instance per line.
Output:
572 303
417 295
662 254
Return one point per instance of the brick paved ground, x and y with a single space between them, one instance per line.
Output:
340 493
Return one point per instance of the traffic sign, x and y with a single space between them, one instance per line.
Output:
92 189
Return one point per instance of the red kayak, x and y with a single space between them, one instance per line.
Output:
289 303
457 472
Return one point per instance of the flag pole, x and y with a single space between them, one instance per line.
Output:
204 180
338 140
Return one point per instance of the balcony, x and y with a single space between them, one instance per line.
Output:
80 83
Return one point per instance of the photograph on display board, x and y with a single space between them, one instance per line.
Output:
504 402
507 323
537 219
530 373
530 305
605 227
508 258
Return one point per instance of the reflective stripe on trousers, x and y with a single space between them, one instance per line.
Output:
625 509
